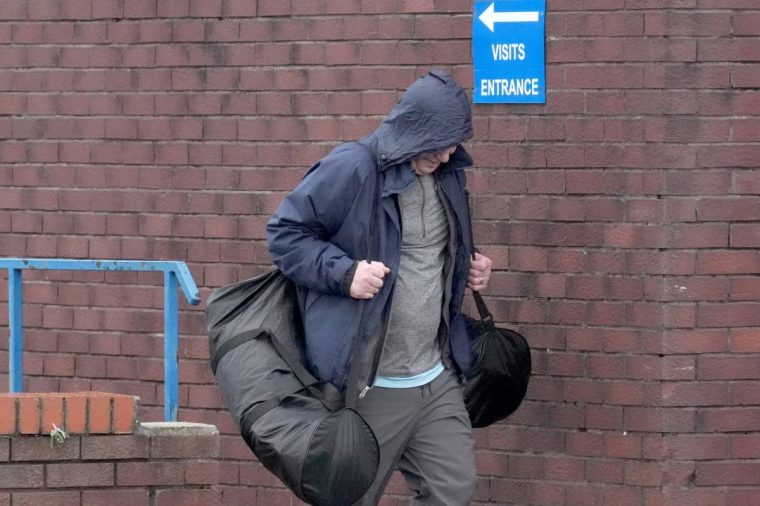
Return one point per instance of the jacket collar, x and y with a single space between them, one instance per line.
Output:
458 160
398 176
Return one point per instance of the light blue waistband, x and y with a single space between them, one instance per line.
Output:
409 381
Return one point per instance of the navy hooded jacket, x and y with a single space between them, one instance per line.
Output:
345 210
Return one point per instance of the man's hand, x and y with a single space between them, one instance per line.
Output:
368 279
480 273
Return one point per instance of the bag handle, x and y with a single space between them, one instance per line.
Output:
233 343
485 315
486 318
285 353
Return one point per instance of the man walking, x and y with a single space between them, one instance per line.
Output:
378 239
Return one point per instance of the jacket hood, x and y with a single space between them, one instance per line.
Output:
433 114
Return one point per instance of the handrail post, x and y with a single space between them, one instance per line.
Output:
171 338
15 339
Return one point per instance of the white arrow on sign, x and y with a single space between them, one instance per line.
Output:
490 17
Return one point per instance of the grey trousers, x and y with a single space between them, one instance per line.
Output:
426 433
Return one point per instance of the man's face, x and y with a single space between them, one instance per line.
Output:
426 163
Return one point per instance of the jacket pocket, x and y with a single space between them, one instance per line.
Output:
330 329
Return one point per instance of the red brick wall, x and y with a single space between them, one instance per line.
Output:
622 215
107 458
31 413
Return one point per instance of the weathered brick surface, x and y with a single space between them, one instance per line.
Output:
101 470
621 215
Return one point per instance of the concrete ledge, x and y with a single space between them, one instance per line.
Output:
176 429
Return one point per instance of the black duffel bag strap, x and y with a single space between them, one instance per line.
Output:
485 315
231 344
327 394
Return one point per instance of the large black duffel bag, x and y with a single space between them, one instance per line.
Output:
298 427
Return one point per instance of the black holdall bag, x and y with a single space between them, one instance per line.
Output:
497 383
298 427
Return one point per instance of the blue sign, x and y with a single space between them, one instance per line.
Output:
508 51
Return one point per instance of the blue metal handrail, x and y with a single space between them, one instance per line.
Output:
174 273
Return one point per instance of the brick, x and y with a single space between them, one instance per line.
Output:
21 476
39 449
628 446
737 155
59 498
644 473
201 472
28 414
742 341
604 471
491 464
116 497
80 475
124 413
695 341
565 468
728 314
52 413
626 393
686 497
256 474
198 497
585 444
697 447
728 50
131 474
8 406
728 262
743 77
99 414
727 473
745 236
727 367
728 419
646 419
744 446
742 395
695 394
741 496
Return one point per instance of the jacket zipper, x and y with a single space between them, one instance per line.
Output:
381 343
375 362
422 207
447 294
